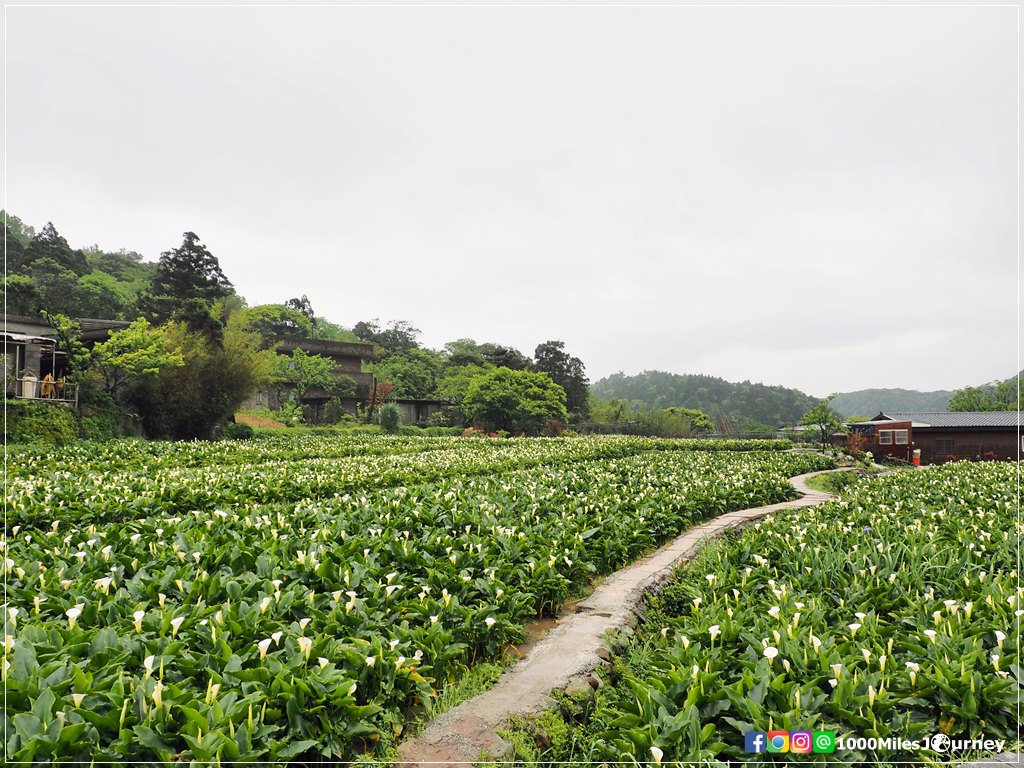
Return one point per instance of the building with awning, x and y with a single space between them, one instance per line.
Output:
35 367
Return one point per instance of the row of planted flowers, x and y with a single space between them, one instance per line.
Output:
181 477
893 615
314 625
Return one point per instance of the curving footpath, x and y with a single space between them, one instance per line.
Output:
573 649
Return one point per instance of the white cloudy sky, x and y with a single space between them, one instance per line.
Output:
818 197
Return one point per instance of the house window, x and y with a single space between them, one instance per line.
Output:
259 397
885 437
944 447
901 436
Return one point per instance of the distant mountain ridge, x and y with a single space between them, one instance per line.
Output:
870 402
769 405
746 405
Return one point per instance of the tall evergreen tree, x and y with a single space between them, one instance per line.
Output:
188 281
49 244
14 249
566 371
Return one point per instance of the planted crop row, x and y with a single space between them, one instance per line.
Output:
254 633
892 613
184 478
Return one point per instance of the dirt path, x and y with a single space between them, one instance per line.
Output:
572 650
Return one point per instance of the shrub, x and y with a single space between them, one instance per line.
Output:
99 426
233 431
334 412
37 422
390 417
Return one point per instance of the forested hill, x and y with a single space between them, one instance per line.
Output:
741 403
870 402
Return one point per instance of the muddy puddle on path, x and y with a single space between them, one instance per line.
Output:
534 632
537 630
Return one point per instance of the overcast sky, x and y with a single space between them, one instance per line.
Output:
817 197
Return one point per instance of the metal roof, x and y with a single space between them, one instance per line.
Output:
954 418
25 337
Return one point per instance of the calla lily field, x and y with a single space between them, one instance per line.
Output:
892 614
307 597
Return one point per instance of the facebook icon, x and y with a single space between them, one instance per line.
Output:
754 741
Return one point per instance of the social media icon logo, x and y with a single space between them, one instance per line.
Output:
824 742
800 742
778 741
754 741
941 742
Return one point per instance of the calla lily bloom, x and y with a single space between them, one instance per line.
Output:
73 614
264 646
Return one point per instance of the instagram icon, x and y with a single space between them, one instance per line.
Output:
800 742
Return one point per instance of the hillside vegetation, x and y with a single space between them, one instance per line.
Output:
745 405
870 402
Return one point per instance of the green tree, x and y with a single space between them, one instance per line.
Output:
414 372
325 330
130 354
14 250
17 229
191 401
505 357
1002 396
103 296
399 336
304 306
21 296
453 383
824 418
270 320
521 402
187 283
463 352
296 374
696 422
49 244
566 371
55 285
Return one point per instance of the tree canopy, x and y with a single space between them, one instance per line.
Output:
824 418
399 336
133 353
270 320
414 372
1001 396
520 402
187 283
566 371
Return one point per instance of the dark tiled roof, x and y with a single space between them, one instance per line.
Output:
956 418
93 324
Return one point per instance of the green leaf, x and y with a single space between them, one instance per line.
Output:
42 707
148 738
288 751
27 726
